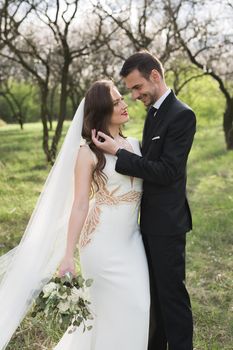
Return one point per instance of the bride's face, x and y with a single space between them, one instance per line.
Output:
120 108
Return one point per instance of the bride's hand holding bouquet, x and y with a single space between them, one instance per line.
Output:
64 300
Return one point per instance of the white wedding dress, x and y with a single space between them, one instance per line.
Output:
112 254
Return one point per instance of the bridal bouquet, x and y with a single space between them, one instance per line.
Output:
64 302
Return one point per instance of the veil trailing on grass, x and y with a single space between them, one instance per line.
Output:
25 269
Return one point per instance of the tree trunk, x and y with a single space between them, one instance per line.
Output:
43 115
20 119
73 102
50 121
52 115
228 123
62 113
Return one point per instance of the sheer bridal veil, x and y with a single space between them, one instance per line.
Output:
26 268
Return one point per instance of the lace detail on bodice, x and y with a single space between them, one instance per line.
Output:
104 197
116 190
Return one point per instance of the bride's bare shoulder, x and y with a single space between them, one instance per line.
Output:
85 155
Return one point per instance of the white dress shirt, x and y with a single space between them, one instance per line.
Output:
158 103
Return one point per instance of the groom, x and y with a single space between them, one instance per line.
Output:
165 215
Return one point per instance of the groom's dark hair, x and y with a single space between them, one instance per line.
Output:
144 62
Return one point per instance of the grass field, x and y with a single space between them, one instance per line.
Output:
209 247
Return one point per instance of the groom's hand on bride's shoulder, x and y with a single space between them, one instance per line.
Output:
104 142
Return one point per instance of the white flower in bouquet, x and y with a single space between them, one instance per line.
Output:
65 302
63 306
49 288
76 294
80 293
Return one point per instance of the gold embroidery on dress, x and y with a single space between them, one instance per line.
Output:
89 226
103 196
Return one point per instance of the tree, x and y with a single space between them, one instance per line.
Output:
21 47
140 25
99 64
62 21
208 45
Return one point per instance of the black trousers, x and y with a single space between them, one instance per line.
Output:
171 324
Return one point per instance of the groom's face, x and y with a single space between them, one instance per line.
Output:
145 90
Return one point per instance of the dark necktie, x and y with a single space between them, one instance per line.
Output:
150 117
152 112
149 121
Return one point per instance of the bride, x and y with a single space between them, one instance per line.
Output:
86 202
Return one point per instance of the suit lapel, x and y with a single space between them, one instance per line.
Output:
164 108
161 115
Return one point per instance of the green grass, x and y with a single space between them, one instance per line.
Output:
209 246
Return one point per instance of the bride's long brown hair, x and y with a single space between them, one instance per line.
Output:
98 110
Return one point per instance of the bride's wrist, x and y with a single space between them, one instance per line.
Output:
69 255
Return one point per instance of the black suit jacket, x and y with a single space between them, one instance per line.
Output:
162 166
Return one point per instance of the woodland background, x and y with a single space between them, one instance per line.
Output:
50 53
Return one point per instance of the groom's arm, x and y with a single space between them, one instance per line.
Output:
172 162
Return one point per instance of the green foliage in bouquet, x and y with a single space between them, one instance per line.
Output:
64 301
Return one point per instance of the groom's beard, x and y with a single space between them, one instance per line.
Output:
147 99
